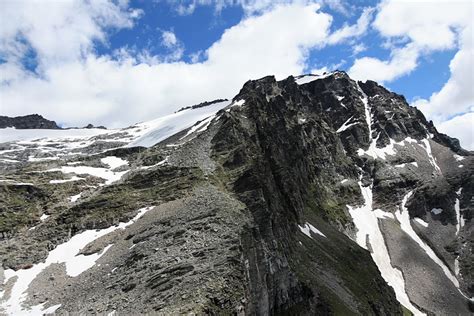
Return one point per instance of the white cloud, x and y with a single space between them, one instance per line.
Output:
351 31
403 61
169 39
425 26
429 24
466 134
457 94
358 48
61 31
253 7
102 90
173 44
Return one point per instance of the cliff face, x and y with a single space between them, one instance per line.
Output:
310 195
33 121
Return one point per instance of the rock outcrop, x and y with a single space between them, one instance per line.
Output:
33 121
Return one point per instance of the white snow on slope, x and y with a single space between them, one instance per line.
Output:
200 127
142 134
346 125
74 178
66 253
106 174
238 103
437 211
308 228
164 127
432 160
303 79
402 165
383 152
13 182
368 230
74 198
420 221
28 135
404 218
114 162
457 208
458 158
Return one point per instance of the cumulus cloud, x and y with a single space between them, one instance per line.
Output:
173 44
119 91
352 31
466 134
61 32
423 26
403 61
253 7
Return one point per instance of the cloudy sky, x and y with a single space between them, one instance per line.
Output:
119 62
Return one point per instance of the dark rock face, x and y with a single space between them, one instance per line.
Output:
202 104
33 121
88 126
257 214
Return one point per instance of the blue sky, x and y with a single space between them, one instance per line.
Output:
117 62
199 30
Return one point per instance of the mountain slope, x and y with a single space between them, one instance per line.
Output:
301 196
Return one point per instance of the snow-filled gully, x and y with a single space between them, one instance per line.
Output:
403 217
11 302
369 236
368 233
366 219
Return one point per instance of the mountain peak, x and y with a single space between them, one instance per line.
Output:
32 121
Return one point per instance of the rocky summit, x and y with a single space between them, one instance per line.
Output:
313 195
32 121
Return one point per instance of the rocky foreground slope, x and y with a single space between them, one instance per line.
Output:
313 195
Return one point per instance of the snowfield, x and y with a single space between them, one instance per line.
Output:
15 135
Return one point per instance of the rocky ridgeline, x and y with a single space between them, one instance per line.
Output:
33 121
307 196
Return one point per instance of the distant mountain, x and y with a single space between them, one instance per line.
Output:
313 195
32 121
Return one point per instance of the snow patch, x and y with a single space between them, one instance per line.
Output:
106 174
114 162
457 208
66 253
308 228
74 178
200 127
383 152
437 211
432 160
44 217
239 102
420 221
310 77
458 158
404 218
368 231
12 135
74 198
346 125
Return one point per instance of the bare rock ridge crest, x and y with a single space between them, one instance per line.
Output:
313 195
